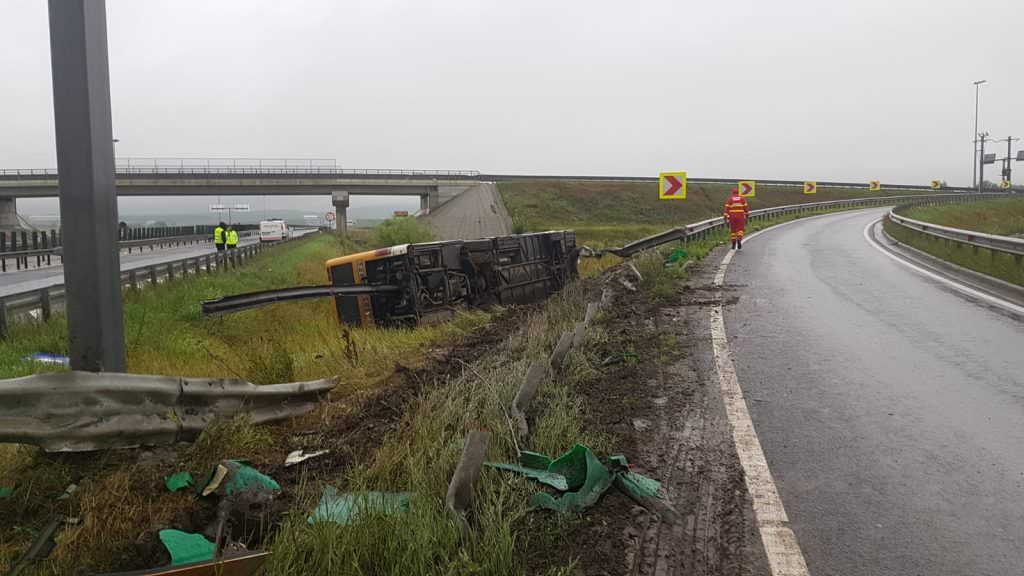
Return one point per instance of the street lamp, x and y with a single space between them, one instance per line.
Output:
974 154
115 153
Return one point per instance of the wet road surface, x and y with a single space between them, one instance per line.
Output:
890 408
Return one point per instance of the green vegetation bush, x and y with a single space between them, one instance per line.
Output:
403 231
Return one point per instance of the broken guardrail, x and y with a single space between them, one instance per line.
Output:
226 304
75 411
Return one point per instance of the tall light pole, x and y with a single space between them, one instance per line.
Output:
974 154
115 153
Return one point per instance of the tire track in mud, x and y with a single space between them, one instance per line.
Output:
675 431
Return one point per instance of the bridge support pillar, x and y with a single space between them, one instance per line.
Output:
9 214
340 201
424 203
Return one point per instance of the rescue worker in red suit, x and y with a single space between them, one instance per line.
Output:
736 211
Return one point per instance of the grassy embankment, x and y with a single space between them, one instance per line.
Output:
606 214
166 334
1004 217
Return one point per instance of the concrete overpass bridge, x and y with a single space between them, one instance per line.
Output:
247 178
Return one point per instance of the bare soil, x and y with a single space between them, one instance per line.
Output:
666 415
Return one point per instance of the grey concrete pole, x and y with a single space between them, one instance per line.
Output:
88 201
974 156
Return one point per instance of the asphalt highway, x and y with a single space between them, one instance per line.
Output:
889 406
37 278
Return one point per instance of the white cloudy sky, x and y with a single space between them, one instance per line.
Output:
828 90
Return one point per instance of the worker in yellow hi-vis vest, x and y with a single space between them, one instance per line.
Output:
232 238
218 237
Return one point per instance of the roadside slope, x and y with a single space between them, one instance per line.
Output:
476 213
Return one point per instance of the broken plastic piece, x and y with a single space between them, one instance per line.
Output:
233 477
298 456
636 486
178 481
186 548
553 479
346 507
676 255
586 479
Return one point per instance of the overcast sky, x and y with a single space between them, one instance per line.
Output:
827 90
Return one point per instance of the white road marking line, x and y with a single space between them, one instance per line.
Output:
780 545
963 288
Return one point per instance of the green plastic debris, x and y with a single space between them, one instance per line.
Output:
186 548
553 479
6 492
233 477
534 459
676 255
346 507
586 478
179 481
620 357
635 485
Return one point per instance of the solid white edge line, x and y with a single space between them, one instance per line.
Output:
780 545
951 283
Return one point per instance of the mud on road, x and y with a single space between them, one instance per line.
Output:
666 415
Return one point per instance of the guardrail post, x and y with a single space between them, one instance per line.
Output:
153 276
207 259
133 279
170 271
3 318
44 303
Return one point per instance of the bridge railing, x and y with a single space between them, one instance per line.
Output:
247 170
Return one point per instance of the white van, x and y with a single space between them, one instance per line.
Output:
273 230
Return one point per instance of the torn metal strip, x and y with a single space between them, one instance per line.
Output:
75 411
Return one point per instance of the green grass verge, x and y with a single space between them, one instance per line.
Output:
995 264
166 334
1003 217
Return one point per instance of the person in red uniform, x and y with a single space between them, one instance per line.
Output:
736 211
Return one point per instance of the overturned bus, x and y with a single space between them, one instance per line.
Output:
414 283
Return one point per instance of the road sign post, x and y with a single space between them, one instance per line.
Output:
88 200
672 186
747 188
810 187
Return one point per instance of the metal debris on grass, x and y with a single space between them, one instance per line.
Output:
299 456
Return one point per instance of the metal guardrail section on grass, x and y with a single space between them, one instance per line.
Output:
73 411
45 300
703 228
1005 244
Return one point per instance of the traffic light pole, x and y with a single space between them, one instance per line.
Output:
88 201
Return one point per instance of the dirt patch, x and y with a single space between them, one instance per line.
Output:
665 414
